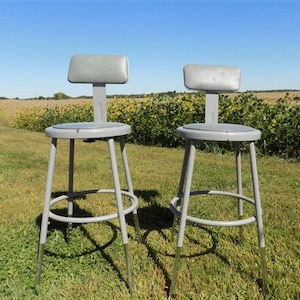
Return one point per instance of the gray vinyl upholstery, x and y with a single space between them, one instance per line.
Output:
98 69
212 78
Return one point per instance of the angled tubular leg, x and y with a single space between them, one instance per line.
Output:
238 161
259 219
70 189
175 271
130 187
129 269
186 197
181 182
45 216
120 208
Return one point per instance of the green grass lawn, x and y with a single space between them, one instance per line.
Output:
92 266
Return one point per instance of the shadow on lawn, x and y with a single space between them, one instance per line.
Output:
63 227
152 217
155 217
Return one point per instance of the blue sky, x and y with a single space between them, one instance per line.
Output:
159 37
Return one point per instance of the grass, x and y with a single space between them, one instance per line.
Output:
92 266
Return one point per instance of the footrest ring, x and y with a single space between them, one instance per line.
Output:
241 222
133 206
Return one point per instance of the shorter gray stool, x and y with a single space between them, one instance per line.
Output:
212 80
97 70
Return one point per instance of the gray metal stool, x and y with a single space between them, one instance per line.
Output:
98 70
212 80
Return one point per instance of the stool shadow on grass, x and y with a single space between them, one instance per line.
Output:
63 227
155 217
152 217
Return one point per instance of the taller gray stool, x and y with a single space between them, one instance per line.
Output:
97 70
212 80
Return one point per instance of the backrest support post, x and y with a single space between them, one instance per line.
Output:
99 102
211 108
212 80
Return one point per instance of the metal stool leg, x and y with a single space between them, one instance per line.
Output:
259 220
121 214
70 189
45 216
189 168
238 161
181 182
130 187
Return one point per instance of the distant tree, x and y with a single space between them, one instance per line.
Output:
61 96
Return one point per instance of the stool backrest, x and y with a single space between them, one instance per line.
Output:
99 70
212 79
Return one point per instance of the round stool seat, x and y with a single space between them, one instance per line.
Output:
218 132
88 130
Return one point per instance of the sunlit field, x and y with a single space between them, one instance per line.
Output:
12 106
214 264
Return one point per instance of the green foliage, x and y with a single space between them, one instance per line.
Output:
60 96
38 118
279 123
154 119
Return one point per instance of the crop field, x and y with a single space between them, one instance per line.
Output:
273 96
10 107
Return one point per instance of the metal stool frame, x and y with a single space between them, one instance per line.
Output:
211 79
98 70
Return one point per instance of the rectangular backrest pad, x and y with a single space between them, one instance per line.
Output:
98 69
212 78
